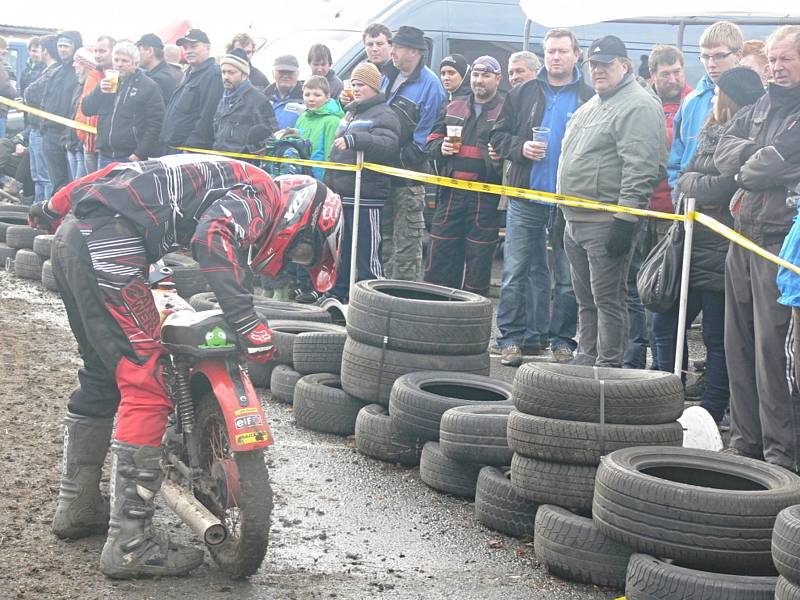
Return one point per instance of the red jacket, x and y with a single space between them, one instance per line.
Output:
661 200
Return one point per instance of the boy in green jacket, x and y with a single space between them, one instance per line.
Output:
319 122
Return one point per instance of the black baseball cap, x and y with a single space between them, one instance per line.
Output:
193 35
606 49
150 40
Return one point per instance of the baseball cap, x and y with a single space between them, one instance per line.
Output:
287 62
606 49
193 35
150 40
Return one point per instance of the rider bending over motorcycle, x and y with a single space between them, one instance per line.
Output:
116 222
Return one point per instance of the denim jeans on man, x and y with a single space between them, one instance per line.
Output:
639 333
41 180
77 163
523 314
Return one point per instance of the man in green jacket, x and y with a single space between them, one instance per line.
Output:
614 151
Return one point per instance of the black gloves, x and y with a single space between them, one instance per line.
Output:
41 218
621 238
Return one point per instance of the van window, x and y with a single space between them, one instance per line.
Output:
472 49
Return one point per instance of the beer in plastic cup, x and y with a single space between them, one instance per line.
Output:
112 75
348 90
454 136
541 134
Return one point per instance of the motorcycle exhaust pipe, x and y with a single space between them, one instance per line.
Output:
194 514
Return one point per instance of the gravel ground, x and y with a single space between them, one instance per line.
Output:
344 526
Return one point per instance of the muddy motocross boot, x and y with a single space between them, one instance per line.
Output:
81 510
133 549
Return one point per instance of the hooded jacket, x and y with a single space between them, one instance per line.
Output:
524 109
614 151
34 94
318 125
60 91
130 120
686 127
188 120
285 117
764 176
237 114
372 127
417 103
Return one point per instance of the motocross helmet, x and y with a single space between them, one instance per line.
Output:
307 231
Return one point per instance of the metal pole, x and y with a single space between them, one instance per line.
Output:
527 34
356 207
688 226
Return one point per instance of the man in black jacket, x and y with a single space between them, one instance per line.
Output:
524 315
151 59
242 106
190 112
372 127
466 225
130 116
58 100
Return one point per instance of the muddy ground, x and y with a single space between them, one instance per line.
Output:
344 526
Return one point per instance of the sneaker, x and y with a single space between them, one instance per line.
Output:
725 422
495 349
307 297
694 391
511 357
562 354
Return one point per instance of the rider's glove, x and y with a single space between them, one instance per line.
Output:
255 339
40 217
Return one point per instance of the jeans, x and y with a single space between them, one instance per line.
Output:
665 331
56 156
104 161
90 159
77 163
523 313
3 121
41 181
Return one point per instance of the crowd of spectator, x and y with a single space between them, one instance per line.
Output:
578 123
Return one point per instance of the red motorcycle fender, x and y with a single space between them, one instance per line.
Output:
241 408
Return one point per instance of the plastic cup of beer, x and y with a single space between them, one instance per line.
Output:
541 134
348 90
454 136
112 76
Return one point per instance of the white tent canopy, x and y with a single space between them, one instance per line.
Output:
566 14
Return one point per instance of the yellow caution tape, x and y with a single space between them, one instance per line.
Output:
294 161
49 116
738 238
475 186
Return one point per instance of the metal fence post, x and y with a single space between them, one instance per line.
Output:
356 214
688 226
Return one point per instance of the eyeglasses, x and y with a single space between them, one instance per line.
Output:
719 56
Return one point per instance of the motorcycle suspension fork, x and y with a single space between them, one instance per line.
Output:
181 392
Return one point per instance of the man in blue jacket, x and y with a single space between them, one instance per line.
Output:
416 95
720 49
286 93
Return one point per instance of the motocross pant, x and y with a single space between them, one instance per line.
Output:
101 268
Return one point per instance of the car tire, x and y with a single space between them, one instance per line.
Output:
284 334
369 372
319 351
447 475
572 393
6 252
10 218
786 590
500 507
21 236
375 438
48 279
583 443
42 244
571 547
267 308
282 382
546 482
477 434
786 543
28 264
651 578
419 317
320 404
699 508
261 373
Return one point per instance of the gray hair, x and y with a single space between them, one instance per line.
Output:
784 32
529 58
127 48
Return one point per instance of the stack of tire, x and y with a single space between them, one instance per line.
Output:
399 327
786 553
565 419
459 417
700 522
42 245
27 263
10 215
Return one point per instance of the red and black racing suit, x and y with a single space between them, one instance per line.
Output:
125 217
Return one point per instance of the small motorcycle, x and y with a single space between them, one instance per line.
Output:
216 477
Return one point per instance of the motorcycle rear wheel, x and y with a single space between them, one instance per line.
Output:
237 491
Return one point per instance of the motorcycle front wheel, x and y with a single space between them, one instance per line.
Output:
235 487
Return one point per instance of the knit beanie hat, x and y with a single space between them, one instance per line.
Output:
237 58
368 74
85 57
457 61
742 85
